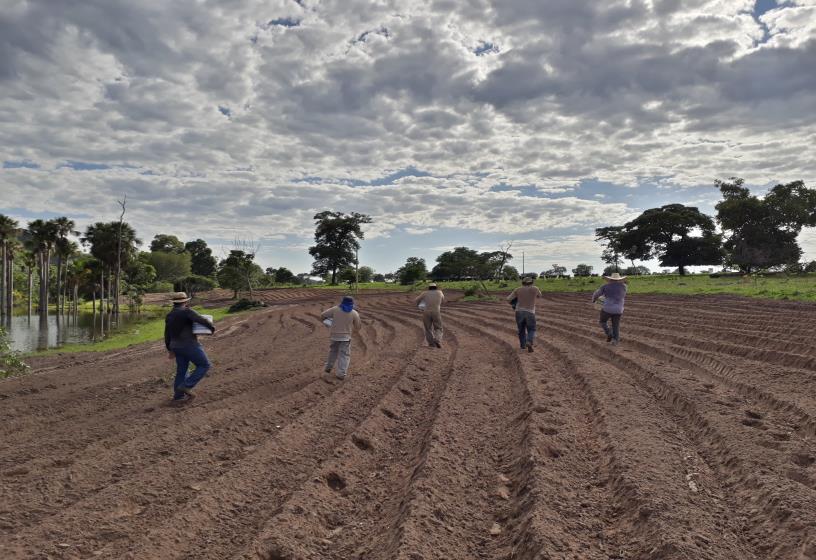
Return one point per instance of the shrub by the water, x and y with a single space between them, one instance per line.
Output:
10 362
244 304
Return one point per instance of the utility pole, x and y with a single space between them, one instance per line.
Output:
522 263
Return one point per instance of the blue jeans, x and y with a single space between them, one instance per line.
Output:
526 321
184 356
614 334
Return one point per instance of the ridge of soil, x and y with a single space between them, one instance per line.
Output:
693 439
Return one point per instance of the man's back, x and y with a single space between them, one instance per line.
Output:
527 298
433 300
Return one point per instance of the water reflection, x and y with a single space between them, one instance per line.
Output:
29 333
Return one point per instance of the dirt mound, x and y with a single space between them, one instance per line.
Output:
693 439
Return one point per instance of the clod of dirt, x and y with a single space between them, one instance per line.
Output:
803 459
335 481
495 529
388 413
751 422
752 414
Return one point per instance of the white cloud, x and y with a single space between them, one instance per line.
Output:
215 119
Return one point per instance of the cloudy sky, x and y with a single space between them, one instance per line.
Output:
449 122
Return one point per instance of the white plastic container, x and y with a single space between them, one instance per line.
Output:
599 303
328 322
422 305
198 328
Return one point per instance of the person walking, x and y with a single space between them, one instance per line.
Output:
182 344
430 301
613 294
525 297
344 319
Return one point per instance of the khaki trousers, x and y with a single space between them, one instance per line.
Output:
432 321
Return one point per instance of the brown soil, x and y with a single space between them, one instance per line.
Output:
693 439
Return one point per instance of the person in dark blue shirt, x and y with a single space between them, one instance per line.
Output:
182 344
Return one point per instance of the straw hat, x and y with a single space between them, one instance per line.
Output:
615 276
432 285
527 280
179 297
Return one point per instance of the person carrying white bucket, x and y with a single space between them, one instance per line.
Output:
613 294
430 302
341 320
525 307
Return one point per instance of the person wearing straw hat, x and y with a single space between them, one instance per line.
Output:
342 320
525 297
613 294
430 301
182 344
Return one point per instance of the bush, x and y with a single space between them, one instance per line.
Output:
243 304
10 361
471 290
160 288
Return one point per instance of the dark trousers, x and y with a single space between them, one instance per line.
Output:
616 319
184 356
526 322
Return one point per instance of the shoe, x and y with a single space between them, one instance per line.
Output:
340 377
609 338
188 395
437 344
615 342
530 347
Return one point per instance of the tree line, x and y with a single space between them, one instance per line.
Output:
755 233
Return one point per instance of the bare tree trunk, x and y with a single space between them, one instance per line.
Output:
59 283
3 275
122 203
10 286
30 288
102 292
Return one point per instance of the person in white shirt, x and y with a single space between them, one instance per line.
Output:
344 319
432 299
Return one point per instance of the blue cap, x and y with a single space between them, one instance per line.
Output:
347 304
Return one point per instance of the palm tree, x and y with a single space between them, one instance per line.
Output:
44 235
8 228
63 228
30 261
105 239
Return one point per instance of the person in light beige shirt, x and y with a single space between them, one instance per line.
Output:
432 300
344 319
525 306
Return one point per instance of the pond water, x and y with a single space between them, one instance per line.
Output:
30 333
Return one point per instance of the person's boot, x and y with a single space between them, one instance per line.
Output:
530 347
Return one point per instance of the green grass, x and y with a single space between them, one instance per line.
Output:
148 331
786 287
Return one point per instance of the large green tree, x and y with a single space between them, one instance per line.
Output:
166 244
679 236
170 267
203 263
337 238
107 240
239 271
412 271
64 249
762 232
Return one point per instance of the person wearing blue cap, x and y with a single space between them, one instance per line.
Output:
342 320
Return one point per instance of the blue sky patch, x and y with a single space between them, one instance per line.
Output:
20 165
84 166
225 111
284 22
486 47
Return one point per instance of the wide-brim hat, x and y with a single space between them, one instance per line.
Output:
615 276
432 285
527 280
179 297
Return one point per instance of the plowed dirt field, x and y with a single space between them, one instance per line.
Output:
694 439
